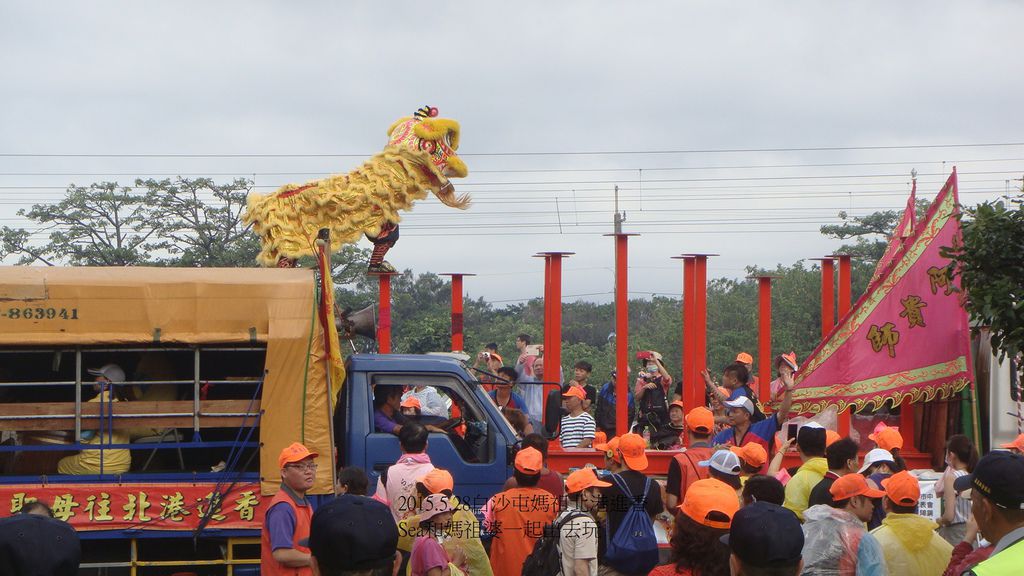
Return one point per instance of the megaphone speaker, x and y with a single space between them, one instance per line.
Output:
359 323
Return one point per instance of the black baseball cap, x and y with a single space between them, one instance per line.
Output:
352 533
31 544
997 477
765 535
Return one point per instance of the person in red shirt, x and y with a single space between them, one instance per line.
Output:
683 469
517 516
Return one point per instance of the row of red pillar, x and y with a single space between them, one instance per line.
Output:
694 357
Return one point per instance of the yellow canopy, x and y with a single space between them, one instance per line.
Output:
90 306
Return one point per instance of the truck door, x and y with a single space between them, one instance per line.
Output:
476 454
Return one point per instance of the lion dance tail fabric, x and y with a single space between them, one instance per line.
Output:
420 158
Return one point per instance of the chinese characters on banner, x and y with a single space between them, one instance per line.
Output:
907 338
142 506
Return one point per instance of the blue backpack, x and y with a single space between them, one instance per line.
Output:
633 549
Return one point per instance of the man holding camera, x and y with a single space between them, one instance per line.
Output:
651 393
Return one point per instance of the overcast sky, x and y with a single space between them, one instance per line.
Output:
676 78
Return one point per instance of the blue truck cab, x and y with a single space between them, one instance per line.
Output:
478 455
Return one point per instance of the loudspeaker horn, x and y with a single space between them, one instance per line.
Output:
359 323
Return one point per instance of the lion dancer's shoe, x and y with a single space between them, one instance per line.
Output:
383 242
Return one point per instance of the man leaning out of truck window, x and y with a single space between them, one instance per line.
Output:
289 515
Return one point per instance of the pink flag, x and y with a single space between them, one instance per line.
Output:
907 338
904 230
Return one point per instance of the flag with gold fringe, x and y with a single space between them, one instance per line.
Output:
907 338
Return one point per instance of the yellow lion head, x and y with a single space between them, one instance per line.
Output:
438 138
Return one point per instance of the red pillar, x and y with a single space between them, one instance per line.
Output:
552 314
845 284
828 296
700 311
621 331
458 342
764 334
384 309
693 389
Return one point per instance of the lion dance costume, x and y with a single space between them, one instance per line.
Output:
419 158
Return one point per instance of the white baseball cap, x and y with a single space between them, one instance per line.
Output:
725 461
741 402
111 372
874 457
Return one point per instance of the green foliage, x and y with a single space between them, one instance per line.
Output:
870 233
989 265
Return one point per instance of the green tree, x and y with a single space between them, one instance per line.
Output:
988 263
870 234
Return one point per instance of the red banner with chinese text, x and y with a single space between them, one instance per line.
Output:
907 338
142 506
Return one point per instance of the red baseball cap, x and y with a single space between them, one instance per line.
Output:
295 452
902 488
634 451
853 484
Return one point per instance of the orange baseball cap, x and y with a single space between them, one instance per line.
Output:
752 453
887 437
529 461
831 437
1017 444
902 488
496 355
744 358
610 448
575 392
634 451
709 495
853 484
437 480
678 403
700 420
412 402
600 437
295 452
725 391
582 479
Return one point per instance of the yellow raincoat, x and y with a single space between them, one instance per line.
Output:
911 546
798 490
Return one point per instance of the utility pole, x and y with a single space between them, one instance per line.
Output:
619 216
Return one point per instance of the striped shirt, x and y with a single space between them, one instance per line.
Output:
575 429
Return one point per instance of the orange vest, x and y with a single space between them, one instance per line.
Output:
303 516
520 515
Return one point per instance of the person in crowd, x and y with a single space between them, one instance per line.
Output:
411 407
581 377
550 480
577 538
502 393
35 545
38 508
109 389
431 401
517 516
765 540
965 555
462 533
492 362
429 557
397 485
527 371
997 504
786 367
610 451
842 460
909 541
724 466
684 468
577 428
287 521
629 485
835 540
604 415
752 457
1016 446
387 409
519 421
878 465
748 362
762 488
743 430
485 357
735 381
675 437
889 438
651 392
703 518
352 480
810 444
961 457
351 536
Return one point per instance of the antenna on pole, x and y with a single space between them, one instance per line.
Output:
619 216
